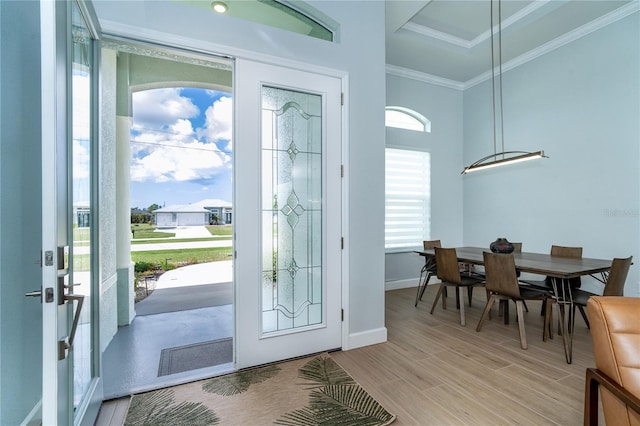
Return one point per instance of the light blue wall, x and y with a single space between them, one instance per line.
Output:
443 107
20 211
581 104
360 52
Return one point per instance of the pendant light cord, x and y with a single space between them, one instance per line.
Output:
500 62
493 83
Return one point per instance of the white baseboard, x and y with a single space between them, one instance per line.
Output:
397 285
413 282
366 338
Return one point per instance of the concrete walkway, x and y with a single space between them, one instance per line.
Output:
182 232
200 274
188 231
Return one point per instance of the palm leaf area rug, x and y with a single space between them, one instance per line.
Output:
309 391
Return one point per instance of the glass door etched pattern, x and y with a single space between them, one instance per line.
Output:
292 210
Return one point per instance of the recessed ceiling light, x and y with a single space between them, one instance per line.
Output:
219 6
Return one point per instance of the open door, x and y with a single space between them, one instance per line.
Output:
288 213
71 391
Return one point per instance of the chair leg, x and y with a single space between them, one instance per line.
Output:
462 318
489 297
444 298
435 302
422 286
550 304
505 311
548 323
457 297
486 312
470 293
584 316
419 288
523 333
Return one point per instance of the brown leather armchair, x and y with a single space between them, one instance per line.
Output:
615 328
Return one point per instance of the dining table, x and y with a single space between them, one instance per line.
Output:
559 270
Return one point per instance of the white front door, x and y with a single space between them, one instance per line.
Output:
70 384
287 151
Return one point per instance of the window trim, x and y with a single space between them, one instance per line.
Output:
414 115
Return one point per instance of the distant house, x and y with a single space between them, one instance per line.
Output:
196 214
223 209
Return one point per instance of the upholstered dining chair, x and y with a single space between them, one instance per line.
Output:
615 329
614 286
428 270
448 272
502 284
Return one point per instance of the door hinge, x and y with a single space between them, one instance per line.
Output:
341 170
341 314
342 98
342 243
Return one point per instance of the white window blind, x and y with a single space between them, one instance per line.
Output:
407 199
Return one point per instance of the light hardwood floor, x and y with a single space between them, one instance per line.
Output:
433 371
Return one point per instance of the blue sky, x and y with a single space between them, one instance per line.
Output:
181 148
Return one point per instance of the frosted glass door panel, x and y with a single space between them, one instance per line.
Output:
292 293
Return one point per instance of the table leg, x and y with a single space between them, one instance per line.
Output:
564 309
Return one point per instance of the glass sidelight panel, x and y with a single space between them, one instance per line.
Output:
82 209
292 210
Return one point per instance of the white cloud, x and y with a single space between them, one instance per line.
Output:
218 121
159 108
165 147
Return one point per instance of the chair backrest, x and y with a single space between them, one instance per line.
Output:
617 277
430 262
501 275
615 328
564 251
428 245
447 265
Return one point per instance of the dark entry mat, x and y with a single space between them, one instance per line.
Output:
197 355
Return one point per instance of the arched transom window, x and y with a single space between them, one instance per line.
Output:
405 118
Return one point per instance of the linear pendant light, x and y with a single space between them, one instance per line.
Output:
505 157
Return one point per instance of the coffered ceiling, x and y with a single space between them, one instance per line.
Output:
450 40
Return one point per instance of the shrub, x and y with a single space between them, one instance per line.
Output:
144 266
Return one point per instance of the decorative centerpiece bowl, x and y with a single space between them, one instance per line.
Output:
501 245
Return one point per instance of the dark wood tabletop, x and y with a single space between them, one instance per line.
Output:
537 263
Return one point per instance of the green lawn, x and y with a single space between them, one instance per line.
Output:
180 240
144 230
220 229
81 234
181 256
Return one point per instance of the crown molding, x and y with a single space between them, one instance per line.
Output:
438 35
513 19
558 42
470 44
424 77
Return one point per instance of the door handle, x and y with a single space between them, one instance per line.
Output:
48 292
67 343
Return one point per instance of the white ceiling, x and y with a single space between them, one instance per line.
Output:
450 40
